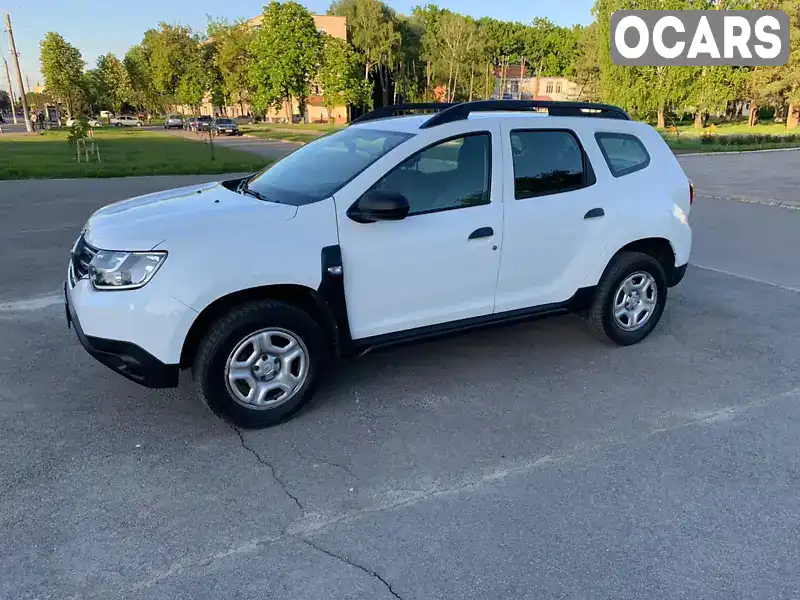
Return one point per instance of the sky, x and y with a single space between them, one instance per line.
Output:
97 27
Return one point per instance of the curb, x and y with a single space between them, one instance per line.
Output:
728 153
790 204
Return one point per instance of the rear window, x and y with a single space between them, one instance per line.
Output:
624 153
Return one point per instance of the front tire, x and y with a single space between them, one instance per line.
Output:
629 300
260 363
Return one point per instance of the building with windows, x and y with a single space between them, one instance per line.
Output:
518 82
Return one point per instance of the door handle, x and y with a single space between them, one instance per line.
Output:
594 213
481 232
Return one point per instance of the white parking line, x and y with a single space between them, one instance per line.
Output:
36 303
788 288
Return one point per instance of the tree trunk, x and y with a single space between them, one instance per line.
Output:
752 119
449 82
661 121
455 83
471 79
699 119
288 109
792 116
488 73
428 76
385 84
329 113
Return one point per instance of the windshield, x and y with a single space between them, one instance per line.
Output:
318 169
224 121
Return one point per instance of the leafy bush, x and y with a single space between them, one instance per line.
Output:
79 130
748 139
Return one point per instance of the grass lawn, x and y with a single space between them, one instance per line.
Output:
731 137
123 152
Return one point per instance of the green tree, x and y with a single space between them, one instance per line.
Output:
62 69
171 50
5 100
784 81
648 91
144 95
585 69
233 59
340 76
114 82
374 34
286 53
460 43
194 83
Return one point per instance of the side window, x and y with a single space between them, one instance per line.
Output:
548 162
624 153
455 173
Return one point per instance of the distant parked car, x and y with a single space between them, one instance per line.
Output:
92 121
126 121
204 123
106 114
175 121
227 127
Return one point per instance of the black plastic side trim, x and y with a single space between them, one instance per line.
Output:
577 302
331 291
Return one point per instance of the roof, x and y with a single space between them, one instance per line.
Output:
413 123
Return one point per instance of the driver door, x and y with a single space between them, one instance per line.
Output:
440 263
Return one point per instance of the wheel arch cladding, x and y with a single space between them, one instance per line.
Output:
659 248
299 296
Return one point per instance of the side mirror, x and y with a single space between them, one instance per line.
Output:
379 205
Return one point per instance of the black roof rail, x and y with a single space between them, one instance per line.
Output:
461 111
395 109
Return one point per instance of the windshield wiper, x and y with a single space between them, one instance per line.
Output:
248 191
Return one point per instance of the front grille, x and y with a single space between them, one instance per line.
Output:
82 255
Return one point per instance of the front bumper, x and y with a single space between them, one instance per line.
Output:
126 358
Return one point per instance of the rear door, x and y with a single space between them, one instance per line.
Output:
556 214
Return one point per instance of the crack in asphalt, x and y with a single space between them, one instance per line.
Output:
266 463
325 462
346 560
415 497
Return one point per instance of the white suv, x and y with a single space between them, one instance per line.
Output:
393 229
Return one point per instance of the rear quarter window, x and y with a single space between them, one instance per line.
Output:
624 153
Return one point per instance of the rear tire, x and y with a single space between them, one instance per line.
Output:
629 300
248 340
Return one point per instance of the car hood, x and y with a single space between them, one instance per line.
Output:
200 211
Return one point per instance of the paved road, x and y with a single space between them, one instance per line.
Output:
523 462
269 149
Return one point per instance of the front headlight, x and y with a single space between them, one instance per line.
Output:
111 270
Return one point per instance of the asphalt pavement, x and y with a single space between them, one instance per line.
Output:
520 462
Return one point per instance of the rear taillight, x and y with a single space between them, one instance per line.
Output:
691 193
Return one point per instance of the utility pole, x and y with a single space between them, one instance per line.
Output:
10 92
28 83
25 114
